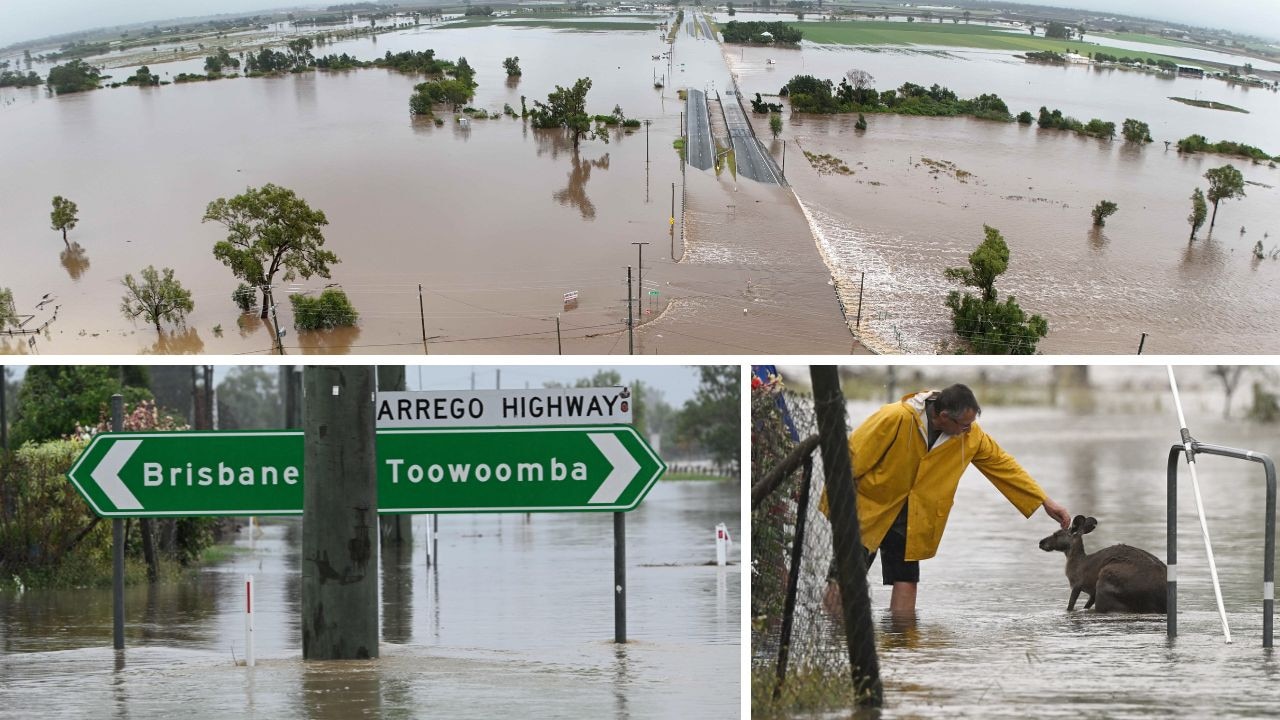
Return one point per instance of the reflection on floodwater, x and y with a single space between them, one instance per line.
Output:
515 611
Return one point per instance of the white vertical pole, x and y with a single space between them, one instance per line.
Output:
1195 484
722 542
248 621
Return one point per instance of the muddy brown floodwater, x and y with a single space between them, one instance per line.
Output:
921 190
495 221
993 637
516 611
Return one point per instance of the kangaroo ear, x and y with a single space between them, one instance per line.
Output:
1076 523
1089 525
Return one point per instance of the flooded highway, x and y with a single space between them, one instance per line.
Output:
516 611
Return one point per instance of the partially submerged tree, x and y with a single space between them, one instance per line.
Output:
1225 183
63 216
567 108
1102 211
775 124
991 327
1136 131
330 310
8 315
512 66
156 298
270 230
1199 211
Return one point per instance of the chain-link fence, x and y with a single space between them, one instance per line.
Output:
799 648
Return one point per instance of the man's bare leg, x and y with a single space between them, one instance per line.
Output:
902 601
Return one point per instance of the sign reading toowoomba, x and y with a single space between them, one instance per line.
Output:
595 468
504 408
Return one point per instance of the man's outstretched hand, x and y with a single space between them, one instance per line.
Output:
1057 512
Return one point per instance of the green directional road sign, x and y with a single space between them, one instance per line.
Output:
547 469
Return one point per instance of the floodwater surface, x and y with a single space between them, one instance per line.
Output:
516 612
921 190
993 637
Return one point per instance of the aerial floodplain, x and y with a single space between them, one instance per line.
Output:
643 181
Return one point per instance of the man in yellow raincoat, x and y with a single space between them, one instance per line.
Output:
907 461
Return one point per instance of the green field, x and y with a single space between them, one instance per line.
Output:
558 21
947 35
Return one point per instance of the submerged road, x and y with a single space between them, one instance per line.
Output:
699 149
753 162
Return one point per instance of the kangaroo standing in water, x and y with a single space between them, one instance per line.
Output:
1119 578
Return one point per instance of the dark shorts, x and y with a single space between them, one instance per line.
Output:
893 565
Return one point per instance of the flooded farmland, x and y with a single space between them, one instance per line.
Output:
993 638
922 189
497 619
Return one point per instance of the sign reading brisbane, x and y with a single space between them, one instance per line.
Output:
433 470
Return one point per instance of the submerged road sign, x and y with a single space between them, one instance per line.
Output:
545 469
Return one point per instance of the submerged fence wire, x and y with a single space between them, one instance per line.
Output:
799 650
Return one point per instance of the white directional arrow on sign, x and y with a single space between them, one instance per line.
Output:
107 474
624 468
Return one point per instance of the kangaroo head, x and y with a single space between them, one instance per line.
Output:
1061 540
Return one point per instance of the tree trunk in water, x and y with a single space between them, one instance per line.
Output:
339 515
149 551
266 304
1214 217
64 239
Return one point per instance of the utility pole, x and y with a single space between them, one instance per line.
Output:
275 321
559 351
422 316
395 529
640 275
339 511
646 141
631 343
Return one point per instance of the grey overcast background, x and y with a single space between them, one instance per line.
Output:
31 19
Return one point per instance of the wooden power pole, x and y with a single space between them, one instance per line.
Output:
339 515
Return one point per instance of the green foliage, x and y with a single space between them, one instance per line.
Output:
986 263
248 399
1136 131
157 298
1046 56
1102 211
75 76
1057 30
63 216
214 64
243 296
1199 143
713 417
55 399
1025 118
1055 120
809 94
752 32
862 122
43 515
340 62
143 78
8 313
10 78
1225 183
330 310
455 91
775 124
989 326
1199 212
567 108
512 66
270 230
478 10
409 61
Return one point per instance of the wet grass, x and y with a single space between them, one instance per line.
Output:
947 35
1208 104
827 164
807 691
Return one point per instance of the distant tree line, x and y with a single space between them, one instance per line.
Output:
1199 143
809 94
752 32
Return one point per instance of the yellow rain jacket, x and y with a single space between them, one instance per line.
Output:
891 465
